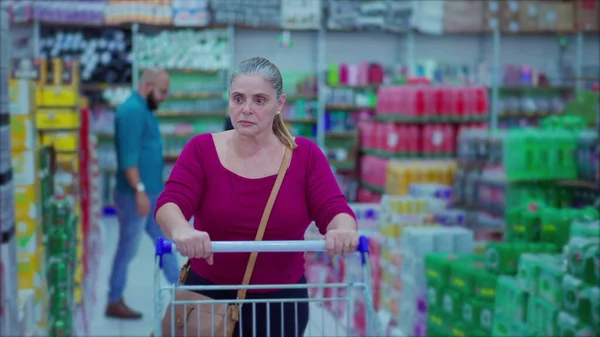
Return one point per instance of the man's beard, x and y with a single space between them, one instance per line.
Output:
151 102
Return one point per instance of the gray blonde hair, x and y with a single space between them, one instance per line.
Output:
264 67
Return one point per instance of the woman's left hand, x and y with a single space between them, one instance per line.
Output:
341 241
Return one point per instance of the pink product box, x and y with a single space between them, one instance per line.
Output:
373 170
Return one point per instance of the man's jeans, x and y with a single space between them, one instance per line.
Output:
131 226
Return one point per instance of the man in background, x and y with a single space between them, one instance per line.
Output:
139 183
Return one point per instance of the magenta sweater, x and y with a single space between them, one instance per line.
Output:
229 207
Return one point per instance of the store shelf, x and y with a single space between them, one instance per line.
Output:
388 155
429 119
529 89
341 134
192 95
296 97
192 71
216 113
589 185
357 87
524 114
301 120
102 86
372 188
343 165
348 107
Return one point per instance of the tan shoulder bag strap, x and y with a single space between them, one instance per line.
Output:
285 163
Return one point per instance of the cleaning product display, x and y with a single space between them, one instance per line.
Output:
87 12
393 177
264 13
402 231
184 49
191 13
157 12
301 109
104 54
355 74
538 297
301 14
369 15
433 103
53 164
15 311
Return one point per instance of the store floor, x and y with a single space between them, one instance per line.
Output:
139 294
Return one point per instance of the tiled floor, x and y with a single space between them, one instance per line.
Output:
139 294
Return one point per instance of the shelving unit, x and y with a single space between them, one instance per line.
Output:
315 127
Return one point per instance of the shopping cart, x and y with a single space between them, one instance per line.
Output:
352 289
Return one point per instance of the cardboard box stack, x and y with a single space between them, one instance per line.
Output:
537 16
463 16
586 15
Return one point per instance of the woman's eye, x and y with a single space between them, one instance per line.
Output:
237 100
260 101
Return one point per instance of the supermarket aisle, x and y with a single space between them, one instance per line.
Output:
140 289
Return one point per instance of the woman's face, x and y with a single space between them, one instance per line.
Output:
253 104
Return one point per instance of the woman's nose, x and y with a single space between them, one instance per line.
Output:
247 108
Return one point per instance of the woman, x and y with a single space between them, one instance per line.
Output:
224 181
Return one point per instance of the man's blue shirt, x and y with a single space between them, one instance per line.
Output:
138 144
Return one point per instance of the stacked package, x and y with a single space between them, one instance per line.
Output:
552 294
62 264
9 308
463 16
401 174
415 245
154 12
301 14
185 49
190 13
369 15
321 268
399 214
251 13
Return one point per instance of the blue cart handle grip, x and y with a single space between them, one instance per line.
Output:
165 246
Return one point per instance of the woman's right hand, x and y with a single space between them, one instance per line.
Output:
194 244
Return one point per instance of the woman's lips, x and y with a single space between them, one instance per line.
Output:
246 123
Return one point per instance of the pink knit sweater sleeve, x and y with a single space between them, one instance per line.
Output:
325 198
185 184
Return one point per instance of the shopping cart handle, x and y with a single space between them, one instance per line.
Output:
164 246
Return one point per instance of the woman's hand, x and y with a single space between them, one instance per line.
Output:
193 244
341 241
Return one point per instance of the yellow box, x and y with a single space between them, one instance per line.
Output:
62 141
27 201
29 236
23 134
57 96
78 277
25 168
27 271
57 119
78 294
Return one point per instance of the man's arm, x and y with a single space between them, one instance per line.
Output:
128 128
